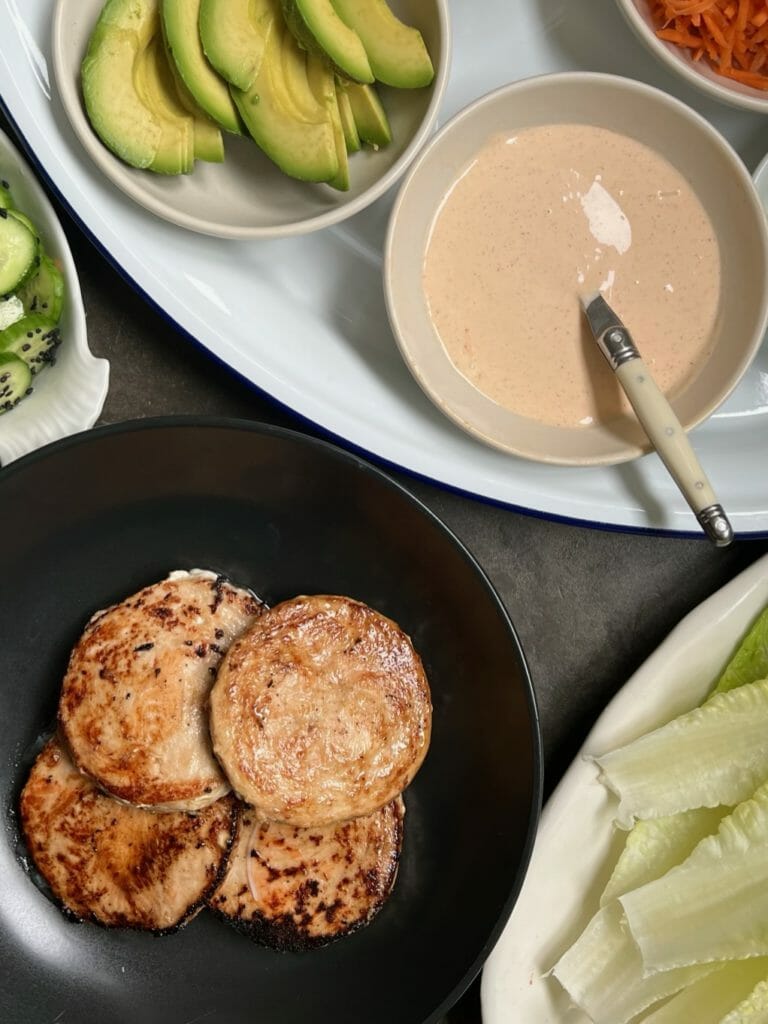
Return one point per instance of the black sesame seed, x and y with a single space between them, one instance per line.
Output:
5 184
4 214
30 334
28 391
26 347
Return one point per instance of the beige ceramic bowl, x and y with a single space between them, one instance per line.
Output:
679 60
247 196
654 118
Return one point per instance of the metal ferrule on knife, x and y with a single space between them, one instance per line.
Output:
611 335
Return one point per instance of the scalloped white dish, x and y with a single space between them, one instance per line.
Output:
562 890
304 320
68 396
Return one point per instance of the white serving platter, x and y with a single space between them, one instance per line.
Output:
68 396
303 319
577 845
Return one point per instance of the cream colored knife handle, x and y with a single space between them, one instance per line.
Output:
675 450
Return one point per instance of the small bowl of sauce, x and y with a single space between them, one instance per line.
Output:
555 186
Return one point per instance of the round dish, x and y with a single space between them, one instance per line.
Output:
247 196
69 396
269 515
678 60
664 124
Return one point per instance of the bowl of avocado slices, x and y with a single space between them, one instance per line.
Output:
252 118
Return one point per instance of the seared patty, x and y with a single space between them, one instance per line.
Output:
320 712
133 705
296 888
120 866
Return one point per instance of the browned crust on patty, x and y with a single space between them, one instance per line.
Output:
321 712
313 885
120 866
133 705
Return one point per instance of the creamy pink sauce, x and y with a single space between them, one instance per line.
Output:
548 213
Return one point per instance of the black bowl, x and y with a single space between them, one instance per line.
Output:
89 520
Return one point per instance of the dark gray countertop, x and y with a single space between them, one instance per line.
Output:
589 606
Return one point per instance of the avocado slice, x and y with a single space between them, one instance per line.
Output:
117 113
351 134
370 117
182 37
126 92
320 30
302 149
233 34
208 141
307 103
321 81
154 82
396 52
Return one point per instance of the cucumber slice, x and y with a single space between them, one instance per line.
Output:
15 378
43 293
19 253
11 310
34 339
24 219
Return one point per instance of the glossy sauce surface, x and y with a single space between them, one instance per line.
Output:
543 215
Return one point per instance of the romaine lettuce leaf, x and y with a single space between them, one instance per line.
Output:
713 906
715 755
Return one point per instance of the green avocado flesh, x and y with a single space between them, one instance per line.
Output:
155 84
208 141
370 117
323 86
129 92
180 29
234 33
351 134
303 149
319 29
396 52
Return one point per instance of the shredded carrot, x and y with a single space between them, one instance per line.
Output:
732 35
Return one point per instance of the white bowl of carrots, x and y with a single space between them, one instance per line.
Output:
720 46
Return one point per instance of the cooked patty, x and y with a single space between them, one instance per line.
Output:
133 705
320 712
296 888
120 866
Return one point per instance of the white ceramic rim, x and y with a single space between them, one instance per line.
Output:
671 56
760 179
566 78
105 160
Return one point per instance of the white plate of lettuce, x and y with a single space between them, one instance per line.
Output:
683 925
